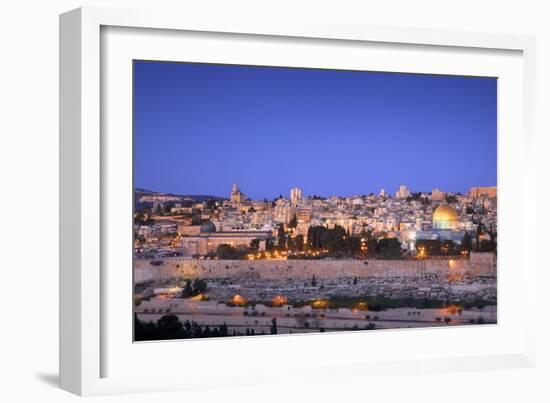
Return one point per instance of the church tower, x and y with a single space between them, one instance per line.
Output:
237 197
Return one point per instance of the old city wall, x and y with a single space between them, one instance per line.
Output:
479 264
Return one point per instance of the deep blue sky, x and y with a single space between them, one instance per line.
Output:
199 128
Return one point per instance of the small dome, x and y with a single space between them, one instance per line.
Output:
207 227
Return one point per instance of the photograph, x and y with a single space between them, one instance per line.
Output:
289 200
272 200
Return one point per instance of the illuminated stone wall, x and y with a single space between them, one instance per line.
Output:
480 264
490 191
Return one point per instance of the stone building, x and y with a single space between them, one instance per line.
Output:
208 239
437 195
237 197
444 225
295 196
488 191
403 192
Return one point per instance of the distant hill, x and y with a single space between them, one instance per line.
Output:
197 198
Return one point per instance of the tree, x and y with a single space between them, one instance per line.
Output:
389 248
487 245
169 327
167 207
450 199
467 242
492 233
187 290
299 242
291 243
211 204
255 244
273 328
336 240
313 281
479 232
372 247
195 287
281 237
226 251
223 330
199 286
269 245
313 236
431 247
141 217
368 234
333 239
293 222
448 247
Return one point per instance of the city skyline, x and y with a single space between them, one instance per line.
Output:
286 195
328 132
245 264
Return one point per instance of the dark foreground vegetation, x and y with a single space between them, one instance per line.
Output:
169 327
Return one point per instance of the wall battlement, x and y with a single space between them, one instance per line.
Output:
479 264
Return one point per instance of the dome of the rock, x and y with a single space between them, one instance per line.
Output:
445 217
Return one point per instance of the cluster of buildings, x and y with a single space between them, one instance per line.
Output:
198 228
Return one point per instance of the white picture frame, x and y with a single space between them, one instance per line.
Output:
87 303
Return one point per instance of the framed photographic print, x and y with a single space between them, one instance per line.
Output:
213 261
313 198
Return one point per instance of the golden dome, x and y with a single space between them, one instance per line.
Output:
445 216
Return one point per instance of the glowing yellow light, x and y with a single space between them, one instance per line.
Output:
319 304
238 300
279 300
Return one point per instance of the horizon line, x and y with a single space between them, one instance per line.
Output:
392 194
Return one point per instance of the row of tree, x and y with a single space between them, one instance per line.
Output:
228 252
169 327
336 242
435 247
384 248
333 239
